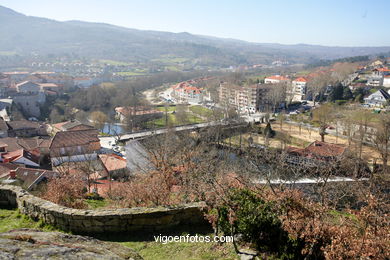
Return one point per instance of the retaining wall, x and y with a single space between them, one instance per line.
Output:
99 221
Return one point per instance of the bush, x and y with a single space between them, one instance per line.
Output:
258 222
93 196
67 191
340 102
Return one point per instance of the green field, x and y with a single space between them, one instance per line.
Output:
202 111
171 59
173 121
130 73
116 63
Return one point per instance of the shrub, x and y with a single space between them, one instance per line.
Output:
93 196
67 191
257 221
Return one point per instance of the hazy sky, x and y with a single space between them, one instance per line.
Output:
325 22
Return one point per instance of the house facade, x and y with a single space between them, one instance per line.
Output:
74 146
25 128
386 81
137 113
297 90
184 92
243 98
275 79
380 98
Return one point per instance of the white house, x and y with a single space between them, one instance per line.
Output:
20 156
297 91
185 92
379 98
275 79
386 81
28 87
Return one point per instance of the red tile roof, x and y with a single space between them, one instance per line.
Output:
186 86
74 138
277 77
300 79
15 155
49 85
31 176
385 69
112 162
5 168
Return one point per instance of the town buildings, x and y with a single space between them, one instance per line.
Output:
185 92
74 146
243 98
378 99
125 114
275 79
296 92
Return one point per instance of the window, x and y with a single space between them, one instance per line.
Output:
62 150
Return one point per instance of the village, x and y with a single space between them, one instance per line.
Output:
34 151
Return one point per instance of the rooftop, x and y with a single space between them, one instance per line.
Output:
74 138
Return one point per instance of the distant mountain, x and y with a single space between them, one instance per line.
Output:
26 34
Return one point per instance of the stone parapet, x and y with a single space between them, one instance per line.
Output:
105 220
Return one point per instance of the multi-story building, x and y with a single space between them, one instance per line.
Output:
275 79
297 90
185 92
244 98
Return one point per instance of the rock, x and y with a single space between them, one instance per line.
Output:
247 254
35 244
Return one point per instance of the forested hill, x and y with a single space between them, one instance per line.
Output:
23 34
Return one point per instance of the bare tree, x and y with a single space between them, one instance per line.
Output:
276 95
317 85
324 115
382 138
99 119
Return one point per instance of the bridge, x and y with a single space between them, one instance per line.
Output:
146 133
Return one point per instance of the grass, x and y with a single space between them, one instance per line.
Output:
173 121
170 59
172 68
94 204
12 219
116 63
158 251
337 217
130 73
202 111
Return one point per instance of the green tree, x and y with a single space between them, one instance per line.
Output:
336 93
347 93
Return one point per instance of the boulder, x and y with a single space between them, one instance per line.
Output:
36 244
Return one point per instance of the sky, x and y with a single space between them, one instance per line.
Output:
323 22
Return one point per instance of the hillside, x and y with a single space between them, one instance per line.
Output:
23 34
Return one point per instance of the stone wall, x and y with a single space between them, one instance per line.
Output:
98 221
